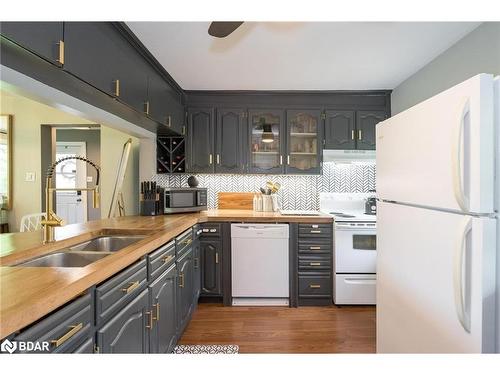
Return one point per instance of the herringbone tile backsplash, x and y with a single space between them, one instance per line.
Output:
297 192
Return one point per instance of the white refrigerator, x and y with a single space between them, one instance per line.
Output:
438 170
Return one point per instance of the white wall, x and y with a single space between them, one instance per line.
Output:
478 52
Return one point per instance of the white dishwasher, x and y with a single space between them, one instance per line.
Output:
259 264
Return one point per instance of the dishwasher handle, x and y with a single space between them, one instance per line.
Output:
258 230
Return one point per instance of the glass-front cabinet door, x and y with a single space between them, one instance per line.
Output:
266 141
303 141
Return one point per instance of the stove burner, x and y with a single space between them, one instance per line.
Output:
340 214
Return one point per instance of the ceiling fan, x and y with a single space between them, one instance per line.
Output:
223 29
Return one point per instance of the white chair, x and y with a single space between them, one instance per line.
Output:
30 223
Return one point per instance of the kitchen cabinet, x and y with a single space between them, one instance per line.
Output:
200 155
99 55
184 290
303 141
230 135
365 125
163 306
266 141
340 130
87 347
211 270
42 38
128 330
196 264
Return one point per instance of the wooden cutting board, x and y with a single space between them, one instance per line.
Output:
239 201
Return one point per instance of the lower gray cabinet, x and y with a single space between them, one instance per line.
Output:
128 330
163 302
185 290
87 347
211 270
196 270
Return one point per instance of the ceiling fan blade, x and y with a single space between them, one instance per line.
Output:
223 29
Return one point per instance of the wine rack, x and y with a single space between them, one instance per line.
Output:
170 154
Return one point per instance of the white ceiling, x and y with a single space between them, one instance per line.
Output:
298 55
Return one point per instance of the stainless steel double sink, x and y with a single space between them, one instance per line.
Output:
84 253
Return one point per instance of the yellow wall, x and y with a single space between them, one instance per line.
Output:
29 115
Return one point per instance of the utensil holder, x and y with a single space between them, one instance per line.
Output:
267 203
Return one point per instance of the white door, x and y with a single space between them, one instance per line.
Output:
440 153
71 206
435 281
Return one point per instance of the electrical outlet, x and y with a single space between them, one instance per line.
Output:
89 178
29 177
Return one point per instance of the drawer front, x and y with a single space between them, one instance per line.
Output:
114 293
315 230
183 242
315 284
87 347
356 289
315 247
160 260
62 329
210 230
315 262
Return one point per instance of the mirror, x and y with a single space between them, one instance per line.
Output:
5 162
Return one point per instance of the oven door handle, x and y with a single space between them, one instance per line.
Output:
356 229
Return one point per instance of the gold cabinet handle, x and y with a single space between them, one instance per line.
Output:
133 286
216 258
315 264
281 159
168 258
183 130
359 135
314 286
315 248
181 282
210 159
352 135
146 107
60 60
188 241
61 340
288 159
315 231
218 159
117 87
157 317
150 319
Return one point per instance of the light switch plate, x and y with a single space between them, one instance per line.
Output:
29 177
89 178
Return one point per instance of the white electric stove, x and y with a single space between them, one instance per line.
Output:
354 248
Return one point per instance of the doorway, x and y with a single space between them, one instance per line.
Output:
71 206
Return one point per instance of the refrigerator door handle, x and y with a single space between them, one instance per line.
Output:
458 276
457 156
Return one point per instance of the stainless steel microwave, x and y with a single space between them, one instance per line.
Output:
185 200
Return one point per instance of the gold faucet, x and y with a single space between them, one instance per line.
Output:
52 220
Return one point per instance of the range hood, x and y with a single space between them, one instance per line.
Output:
349 156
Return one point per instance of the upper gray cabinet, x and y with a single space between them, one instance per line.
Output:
99 55
200 153
43 38
365 124
266 151
303 141
340 130
230 132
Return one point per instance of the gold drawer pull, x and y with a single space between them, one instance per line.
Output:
150 316
74 329
168 258
315 231
157 317
117 87
181 282
315 264
60 59
315 248
314 286
188 241
133 286
216 258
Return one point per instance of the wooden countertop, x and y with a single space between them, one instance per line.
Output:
29 293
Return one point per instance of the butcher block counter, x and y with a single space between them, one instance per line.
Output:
29 293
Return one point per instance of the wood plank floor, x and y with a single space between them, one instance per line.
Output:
328 329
